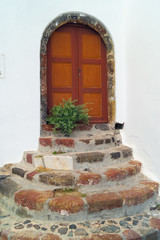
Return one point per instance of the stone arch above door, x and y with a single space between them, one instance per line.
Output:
92 22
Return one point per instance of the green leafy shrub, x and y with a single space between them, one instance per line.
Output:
66 115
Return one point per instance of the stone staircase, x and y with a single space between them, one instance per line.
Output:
89 176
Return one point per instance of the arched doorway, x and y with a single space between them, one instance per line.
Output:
77 69
94 25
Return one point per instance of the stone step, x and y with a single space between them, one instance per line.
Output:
38 202
78 160
82 130
99 178
138 227
52 144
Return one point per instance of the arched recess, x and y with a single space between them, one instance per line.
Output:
92 22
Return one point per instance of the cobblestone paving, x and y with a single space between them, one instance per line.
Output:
146 226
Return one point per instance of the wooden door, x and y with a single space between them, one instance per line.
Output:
77 69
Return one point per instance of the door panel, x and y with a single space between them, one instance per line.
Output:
57 97
92 80
94 103
91 45
62 72
61 44
91 75
61 66
77 69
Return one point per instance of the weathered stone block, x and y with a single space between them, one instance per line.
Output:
131 235
50 236
89 178
18 171
99 141
99 202
155 223
115 155
26 235
30 175
87 141
136 195
109 236
67 142
58 162
29 158
67 204
127 153
8 187
45 142
151 184
57 179
47 127
90 157
115 174
32 199
107 141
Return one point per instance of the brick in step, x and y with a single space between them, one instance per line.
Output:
59 179
112 236
104 201
32 199
8 187
76 144
73 202
18 171
80 160
89 157
105 157
131 235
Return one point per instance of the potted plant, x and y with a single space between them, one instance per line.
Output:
65 116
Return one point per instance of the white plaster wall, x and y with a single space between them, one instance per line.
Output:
21 26
142 69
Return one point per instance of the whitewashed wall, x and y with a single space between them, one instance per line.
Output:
21 26
142 80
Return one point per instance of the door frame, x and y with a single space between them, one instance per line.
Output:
94 23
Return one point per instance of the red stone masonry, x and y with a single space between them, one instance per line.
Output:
68 203
136 195
131 197
32 199
152 185
65 142
99 202
134 162
113 174
29 158
47 127
89 178
45 142
28 235
131 235
109 236
50 236
30 175
155 223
